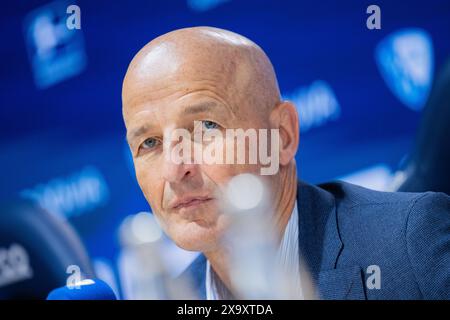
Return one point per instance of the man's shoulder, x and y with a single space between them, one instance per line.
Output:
351 195
405 234
350 198
383 214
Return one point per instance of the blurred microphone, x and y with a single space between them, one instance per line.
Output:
85 290
145 274
256 272
251 239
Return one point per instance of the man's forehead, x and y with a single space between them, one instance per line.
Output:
166 66
176 84
178 97
236 71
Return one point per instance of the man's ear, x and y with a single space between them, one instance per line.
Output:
285 118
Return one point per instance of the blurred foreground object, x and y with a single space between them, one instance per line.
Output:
36 249
95 289
146 277
257 270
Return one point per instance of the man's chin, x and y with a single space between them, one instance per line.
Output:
196 236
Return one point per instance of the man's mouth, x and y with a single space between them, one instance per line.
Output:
189 202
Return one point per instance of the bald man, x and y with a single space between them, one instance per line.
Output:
356 243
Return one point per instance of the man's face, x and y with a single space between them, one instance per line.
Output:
184 197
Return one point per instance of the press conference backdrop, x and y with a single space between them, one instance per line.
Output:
359 93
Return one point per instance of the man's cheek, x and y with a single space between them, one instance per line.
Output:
218 173
147 186
139 172
142 181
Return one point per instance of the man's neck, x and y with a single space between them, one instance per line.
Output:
285 201
219 262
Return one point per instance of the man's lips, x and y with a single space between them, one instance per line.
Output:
189 201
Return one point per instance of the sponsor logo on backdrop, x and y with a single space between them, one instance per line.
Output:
54 43
72 195
406 61
316 105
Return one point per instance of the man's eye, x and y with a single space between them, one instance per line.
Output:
149 143
210 125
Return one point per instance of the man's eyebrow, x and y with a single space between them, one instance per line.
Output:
190 109
137 132
200 107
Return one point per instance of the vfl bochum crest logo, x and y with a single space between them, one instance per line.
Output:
406 61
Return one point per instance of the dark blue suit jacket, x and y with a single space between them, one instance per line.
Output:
344 229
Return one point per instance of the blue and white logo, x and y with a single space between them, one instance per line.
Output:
316 104
71 196
56 52
406 62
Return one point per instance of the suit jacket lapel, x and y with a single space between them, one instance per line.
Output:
320 245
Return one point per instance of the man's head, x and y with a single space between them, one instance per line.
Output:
223 81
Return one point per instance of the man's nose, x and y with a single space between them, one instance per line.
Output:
174 172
